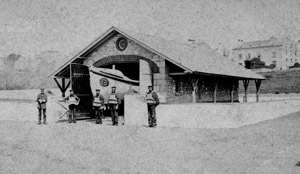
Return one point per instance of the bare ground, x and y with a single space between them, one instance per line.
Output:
269 147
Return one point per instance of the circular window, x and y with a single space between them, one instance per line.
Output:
104 82
121 44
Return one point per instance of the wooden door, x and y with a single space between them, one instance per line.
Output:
145 77
80 84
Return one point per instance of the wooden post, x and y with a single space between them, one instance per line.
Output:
231 92
194 80
63 87
71 76
215 91
57 83
246 83
257 84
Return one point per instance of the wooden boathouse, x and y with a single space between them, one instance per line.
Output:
179 72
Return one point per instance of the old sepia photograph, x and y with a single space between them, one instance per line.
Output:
149 86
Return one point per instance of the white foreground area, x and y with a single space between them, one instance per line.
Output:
270 147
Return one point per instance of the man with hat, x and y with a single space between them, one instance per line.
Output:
152 101
98 106
42 100
72 101
113 104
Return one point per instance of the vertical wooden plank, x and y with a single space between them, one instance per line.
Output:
194 79
215 91
231 91
246 83
63 87
71 76
257 84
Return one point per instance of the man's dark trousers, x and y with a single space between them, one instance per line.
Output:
98 115
40 115
151 115
114 114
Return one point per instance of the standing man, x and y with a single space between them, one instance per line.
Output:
42 100
98 105
73 101
152 101
113 104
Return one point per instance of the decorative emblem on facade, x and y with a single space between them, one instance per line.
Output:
104 82
121 44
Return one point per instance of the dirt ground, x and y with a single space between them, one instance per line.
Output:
269 147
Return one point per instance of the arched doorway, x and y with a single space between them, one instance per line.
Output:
133 67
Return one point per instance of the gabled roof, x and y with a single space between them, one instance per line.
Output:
272 42
191 57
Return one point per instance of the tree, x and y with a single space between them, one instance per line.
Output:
256 63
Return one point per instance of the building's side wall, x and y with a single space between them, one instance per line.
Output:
205 91
109 49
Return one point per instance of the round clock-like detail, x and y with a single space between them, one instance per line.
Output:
104 82
121 43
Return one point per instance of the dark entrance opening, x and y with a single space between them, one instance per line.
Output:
130 70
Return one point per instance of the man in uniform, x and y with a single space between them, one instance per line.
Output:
42 100
73 101
152 101
113 104
98 105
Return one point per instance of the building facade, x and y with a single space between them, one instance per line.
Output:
282 53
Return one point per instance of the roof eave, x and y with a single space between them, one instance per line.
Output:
82 51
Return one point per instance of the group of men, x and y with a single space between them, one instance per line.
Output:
113 104
152 101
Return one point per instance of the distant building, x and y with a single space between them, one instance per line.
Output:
281 52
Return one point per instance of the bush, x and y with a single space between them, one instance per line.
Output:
296 65
277 92
272 66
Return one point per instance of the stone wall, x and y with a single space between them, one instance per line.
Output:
207 115
109 49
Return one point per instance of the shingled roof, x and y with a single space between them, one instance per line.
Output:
194 58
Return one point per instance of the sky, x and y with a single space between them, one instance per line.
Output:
29 27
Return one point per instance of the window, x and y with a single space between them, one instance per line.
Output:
287 60
249 56
291 60
240 56
273 54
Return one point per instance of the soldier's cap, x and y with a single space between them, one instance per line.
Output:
97 89
150 86
113 87
42 88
